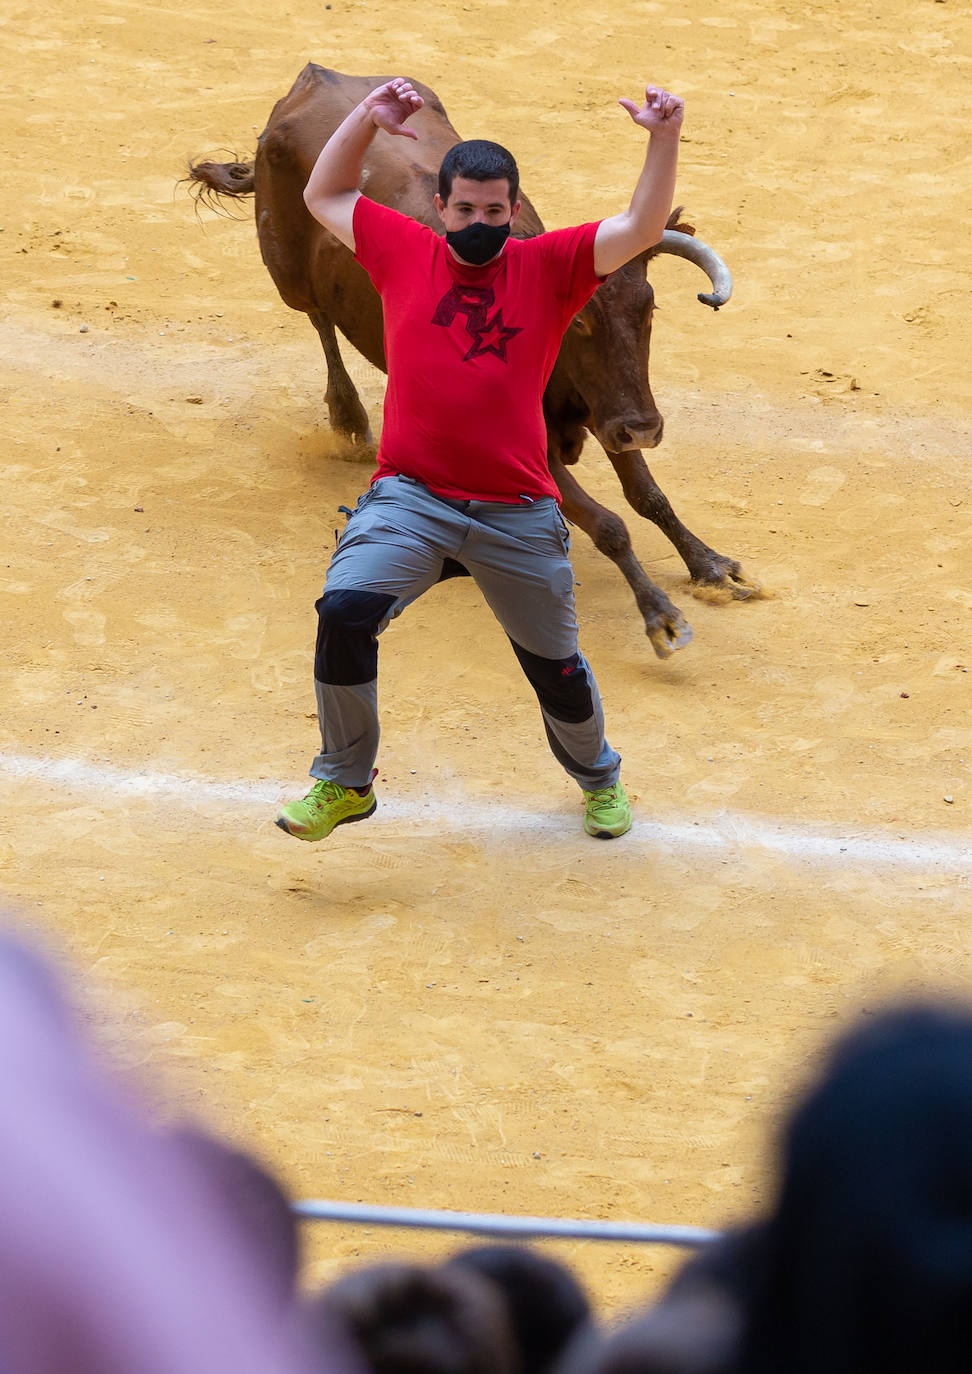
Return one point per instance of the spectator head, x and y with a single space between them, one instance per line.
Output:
546 1305
409 1319
118 1252
256 1204
868 1261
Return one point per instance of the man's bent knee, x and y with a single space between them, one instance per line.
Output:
347 636
562 685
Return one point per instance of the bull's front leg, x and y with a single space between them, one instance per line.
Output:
715 577
665 625
347 415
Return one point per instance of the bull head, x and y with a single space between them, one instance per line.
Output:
605 353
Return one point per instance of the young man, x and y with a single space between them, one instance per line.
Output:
473 323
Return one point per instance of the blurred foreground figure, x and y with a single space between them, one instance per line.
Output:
865 1264
414 1319
122 1249
868 1258
546 1305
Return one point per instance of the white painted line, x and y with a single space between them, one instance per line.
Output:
723 832
118 782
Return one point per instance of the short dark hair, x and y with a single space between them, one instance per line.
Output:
546 1304
478 160
412 1319
868 1257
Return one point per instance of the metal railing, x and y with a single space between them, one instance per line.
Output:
498 1225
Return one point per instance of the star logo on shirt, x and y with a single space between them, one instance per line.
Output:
491 336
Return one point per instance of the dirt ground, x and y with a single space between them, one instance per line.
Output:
466 1003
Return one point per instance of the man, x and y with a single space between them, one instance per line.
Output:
473 324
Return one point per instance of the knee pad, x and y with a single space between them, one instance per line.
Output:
562 685
347 636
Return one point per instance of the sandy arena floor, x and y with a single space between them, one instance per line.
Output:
466 1003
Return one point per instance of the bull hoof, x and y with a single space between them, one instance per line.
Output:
345 448
725 581
743 588
353 451
349 421
352 435
669 633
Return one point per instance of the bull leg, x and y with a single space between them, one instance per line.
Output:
665 625
348 416
714 576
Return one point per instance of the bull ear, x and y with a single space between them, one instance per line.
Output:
580 324
675 222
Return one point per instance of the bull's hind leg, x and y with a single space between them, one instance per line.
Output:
665 625
715 577
348 416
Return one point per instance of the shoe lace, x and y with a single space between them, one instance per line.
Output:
603 796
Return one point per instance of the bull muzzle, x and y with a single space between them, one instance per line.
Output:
620 436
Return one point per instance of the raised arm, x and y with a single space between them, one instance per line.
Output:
332 190
624 236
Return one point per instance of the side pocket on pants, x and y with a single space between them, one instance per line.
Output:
349 515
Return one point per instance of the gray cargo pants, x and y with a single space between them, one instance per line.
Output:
392 550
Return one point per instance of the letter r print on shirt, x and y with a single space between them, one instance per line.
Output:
473 303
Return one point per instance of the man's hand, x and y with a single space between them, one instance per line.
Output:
624 236
390 105
660 114
333 188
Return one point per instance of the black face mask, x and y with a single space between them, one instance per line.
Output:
477 243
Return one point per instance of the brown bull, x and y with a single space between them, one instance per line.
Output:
600 381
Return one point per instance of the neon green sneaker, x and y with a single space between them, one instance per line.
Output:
608 813
326 805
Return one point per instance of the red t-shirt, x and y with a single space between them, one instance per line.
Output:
470 351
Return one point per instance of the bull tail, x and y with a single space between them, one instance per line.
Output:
210 183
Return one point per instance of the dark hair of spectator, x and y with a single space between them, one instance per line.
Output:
478 160
408 1319
868 1260
546 1304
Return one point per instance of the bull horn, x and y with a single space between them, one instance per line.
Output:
694 250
